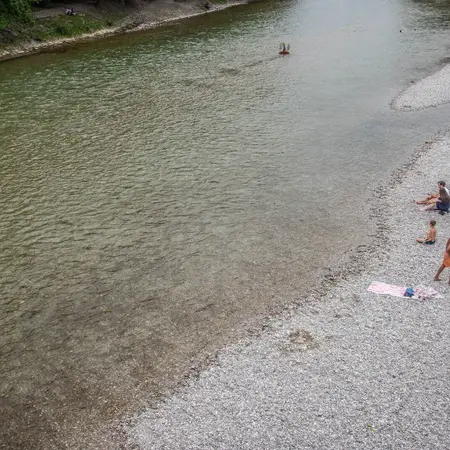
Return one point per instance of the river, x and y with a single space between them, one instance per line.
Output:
164 191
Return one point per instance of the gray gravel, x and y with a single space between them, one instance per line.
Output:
432 90
350 370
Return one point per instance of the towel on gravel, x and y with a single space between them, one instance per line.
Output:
423 292
390 289
426 292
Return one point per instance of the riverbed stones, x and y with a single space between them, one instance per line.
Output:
379 379
432 90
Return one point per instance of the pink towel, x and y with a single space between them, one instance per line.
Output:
389 289
426 293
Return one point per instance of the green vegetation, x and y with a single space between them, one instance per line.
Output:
50 28
65 26
16 10
42 20
18 24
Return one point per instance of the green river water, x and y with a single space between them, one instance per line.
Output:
163 191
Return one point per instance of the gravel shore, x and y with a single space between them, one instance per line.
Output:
348 370
432 90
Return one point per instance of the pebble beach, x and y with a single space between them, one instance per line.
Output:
347 369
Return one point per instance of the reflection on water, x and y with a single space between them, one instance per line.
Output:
165 189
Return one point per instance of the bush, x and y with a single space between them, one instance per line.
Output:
16 9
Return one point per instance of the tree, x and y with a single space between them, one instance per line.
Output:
18 9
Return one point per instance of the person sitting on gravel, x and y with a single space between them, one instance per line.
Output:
430 237
442 203
445 263
432 198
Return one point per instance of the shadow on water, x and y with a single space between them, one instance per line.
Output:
225 71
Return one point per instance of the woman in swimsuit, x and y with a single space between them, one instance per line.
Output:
445 263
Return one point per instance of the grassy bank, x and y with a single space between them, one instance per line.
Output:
14 32
50 27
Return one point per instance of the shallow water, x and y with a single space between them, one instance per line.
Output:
163 190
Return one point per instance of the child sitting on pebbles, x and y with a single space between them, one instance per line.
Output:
430 237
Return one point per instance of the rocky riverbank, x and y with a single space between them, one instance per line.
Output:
350 369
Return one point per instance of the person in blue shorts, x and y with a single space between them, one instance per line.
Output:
443 202
433 197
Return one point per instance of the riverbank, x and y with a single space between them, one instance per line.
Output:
53 29
349 369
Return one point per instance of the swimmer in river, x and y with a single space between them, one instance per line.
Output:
284 49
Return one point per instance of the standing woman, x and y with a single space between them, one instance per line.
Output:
445 263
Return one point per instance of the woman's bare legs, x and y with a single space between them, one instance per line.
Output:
429 207
436 277
427 201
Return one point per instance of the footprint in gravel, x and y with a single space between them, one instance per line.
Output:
299 340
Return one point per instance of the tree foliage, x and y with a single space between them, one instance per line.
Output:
18 9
